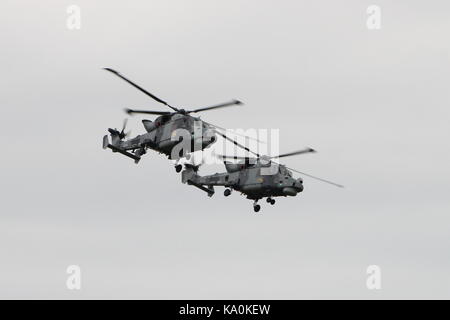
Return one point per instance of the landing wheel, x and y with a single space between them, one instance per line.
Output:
272 201
257 207
227 192
178 168
269 200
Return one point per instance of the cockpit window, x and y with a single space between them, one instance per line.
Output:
164 119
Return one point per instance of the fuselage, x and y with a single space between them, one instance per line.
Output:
256 181
174 135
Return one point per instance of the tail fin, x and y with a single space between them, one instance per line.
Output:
115 136
105 142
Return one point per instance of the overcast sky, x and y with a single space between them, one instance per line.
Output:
374 103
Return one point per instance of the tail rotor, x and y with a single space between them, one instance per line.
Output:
122 133
117 135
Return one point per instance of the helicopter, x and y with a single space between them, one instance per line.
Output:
163 133
256 177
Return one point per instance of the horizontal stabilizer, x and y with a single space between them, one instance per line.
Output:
105 142
210 192
125 153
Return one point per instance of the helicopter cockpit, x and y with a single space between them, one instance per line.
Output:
282 170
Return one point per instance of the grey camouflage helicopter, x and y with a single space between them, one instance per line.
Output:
256 177
161 133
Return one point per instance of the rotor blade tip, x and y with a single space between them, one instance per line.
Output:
111 70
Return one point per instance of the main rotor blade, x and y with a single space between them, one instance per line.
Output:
222 105
140 89
235 157
317 178
236 143
232 132
307 150
161 113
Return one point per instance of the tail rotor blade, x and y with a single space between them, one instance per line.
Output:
122 133
124 125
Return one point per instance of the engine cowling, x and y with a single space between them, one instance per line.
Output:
233 167
149 125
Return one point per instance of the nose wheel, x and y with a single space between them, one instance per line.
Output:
256 206
227 192
178 167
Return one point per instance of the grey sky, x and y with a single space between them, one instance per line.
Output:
373 103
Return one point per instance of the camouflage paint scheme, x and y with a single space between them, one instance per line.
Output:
162 136
249 179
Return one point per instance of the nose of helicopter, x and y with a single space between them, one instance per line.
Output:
299 184
294 188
